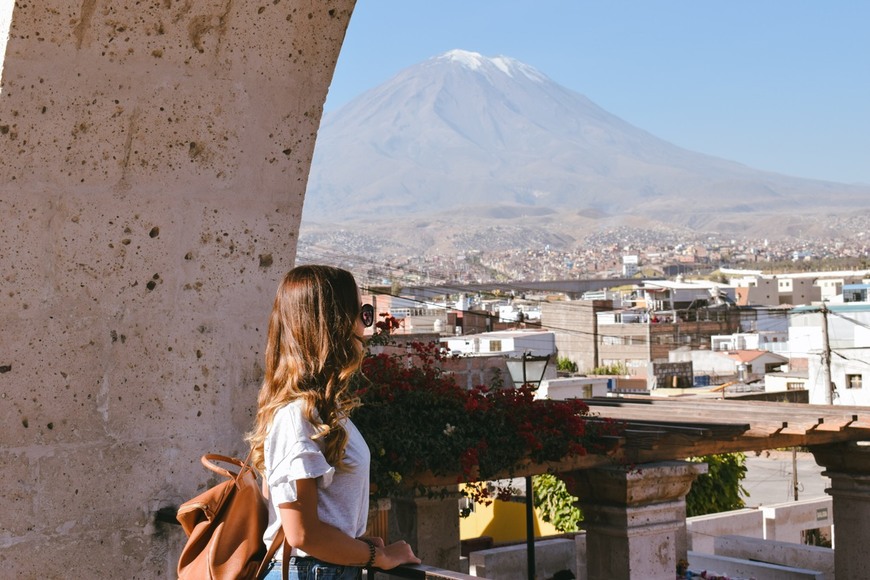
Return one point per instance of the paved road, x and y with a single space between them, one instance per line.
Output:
769 478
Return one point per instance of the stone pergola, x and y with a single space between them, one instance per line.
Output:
635 517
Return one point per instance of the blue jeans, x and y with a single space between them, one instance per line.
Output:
313 569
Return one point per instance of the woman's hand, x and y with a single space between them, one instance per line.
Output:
304 530
395 554
376 540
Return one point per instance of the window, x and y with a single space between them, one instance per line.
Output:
494 346
853 381
794 386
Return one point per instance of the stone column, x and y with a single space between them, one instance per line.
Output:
635 519
848 466
153 163
431 526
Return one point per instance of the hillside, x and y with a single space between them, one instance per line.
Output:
463 141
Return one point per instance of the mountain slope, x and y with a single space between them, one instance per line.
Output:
461 129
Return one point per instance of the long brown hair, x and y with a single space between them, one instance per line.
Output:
312 351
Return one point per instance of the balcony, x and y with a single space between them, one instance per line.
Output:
635 518
630 511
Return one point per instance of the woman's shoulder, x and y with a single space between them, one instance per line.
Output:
291 423
293 411
294 406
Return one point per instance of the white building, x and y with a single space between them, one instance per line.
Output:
503 342
629 266
829 284
790 381
572 388
739 365
518 312
761 328
662 295
848 327
772 341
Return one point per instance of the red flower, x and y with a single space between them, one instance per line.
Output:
407 402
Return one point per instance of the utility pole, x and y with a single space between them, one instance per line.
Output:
794 474
826 357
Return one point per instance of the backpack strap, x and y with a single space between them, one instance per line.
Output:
209 458
279 535
270 553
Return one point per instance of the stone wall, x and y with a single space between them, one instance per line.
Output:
511 562
153 163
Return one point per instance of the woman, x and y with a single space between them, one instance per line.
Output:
314 460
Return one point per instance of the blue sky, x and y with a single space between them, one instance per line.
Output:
779 85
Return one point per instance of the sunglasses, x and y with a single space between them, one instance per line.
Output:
367 314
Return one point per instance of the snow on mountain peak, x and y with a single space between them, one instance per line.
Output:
468 59
507 65
461 130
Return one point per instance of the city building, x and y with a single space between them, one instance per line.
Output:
574 323
784 290
742 366
629 266
856 293
504 343
843 331
634 339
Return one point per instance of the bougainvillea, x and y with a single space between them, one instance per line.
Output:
418 422
384 329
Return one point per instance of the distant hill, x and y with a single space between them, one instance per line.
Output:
465 138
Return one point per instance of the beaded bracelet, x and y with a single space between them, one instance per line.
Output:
371 544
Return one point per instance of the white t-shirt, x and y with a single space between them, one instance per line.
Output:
290 454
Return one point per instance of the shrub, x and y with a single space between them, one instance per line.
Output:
611 369
418 421
719 489
565 364
556 504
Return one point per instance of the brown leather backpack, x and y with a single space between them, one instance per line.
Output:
225 526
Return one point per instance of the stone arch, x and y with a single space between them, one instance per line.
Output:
153 163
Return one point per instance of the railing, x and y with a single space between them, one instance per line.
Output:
166 515
421 571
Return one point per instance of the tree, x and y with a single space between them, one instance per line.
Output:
716 491
720 489
555 504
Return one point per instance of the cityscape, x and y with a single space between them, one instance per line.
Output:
641 232
500 254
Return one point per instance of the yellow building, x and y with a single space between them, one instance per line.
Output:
503 521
